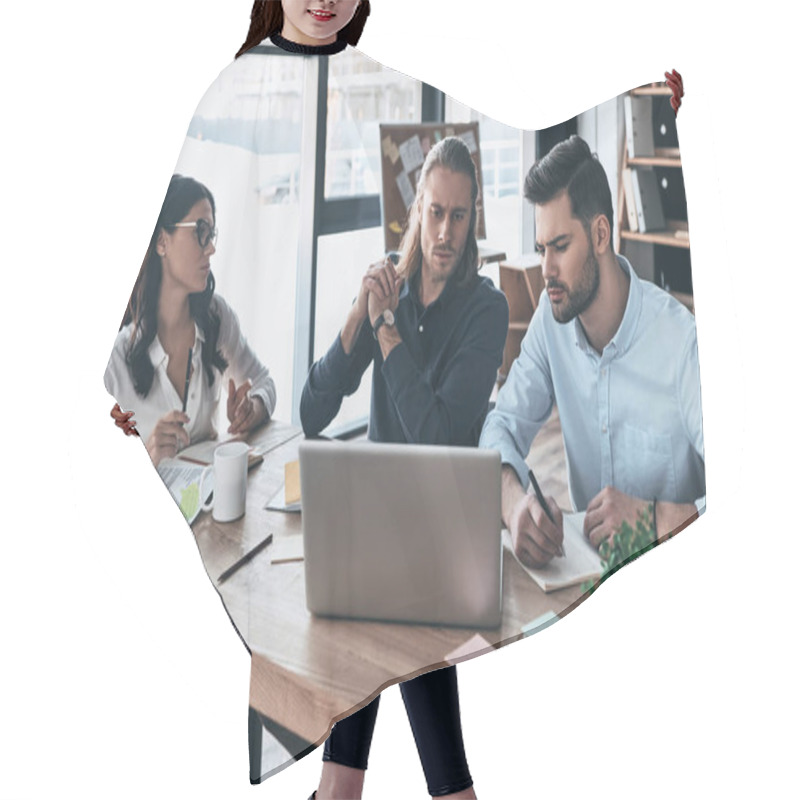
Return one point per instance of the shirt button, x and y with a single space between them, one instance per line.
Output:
605 429
421 328
603 372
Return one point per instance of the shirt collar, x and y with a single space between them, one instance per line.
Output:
411 287
307 49
623 339
158 355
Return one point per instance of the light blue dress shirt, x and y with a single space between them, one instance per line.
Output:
630 416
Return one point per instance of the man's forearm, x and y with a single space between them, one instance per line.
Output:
351 329
388 338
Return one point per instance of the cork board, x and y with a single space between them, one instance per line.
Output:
403 151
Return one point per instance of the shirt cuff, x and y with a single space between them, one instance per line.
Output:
335 366
509 455
265 399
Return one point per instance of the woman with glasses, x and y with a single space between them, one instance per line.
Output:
179 344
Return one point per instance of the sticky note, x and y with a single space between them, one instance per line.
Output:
292 487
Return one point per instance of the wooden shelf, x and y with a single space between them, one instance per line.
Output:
676 233
653 89
667 238
654 161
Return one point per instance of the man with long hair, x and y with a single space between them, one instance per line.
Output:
434 331
618 356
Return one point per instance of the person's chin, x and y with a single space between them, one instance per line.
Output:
562 312
444 264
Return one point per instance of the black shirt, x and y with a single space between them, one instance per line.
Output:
434 387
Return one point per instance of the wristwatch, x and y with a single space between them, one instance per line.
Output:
387 318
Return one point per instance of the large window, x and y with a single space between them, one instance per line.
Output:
256 258
361 94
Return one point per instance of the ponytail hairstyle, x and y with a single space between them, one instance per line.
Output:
182 194
266 19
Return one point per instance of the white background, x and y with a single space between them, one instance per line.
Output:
120 675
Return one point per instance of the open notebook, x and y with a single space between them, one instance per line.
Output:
581 563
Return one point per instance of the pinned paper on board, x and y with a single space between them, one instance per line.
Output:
406 190
411 153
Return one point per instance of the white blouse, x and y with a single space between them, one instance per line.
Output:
202 401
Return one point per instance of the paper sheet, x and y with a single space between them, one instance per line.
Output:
411 153
287 549
406 190
183 481
278 502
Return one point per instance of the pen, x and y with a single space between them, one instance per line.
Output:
186 383
245 559
543 504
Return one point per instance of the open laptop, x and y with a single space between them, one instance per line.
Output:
404 533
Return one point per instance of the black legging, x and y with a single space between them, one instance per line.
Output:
433 711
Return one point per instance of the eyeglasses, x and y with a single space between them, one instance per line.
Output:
205 233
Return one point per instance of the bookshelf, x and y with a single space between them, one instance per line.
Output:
660 244
522 283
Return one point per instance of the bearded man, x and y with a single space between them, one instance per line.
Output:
618 357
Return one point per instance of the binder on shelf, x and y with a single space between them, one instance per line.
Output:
630 200
639 126
649 210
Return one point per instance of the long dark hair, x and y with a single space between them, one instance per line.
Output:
142 310
451 153
266 18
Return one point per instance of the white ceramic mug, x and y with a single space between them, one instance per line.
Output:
230 481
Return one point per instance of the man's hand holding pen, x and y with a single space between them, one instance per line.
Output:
536 536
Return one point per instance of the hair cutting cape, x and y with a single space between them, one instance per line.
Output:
313 162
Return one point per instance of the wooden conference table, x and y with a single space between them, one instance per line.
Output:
307 670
